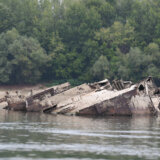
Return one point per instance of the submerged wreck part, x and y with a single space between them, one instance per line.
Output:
15 101
156 102
104 84
16 104
143 105
40 101
147 87
94 99
104 102
2 99
116 104
124 102
119 84
32 103
50 92
72 92
49 103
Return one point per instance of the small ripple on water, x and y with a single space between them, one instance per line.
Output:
78 138
109 134
141 151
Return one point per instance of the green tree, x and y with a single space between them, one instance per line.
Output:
104 8
117 36
133 65
72 35
100 69
123 9
6 18
22 58
152 50
78 25
145 19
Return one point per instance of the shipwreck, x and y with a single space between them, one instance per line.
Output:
119 98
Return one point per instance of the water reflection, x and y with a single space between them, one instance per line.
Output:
40 136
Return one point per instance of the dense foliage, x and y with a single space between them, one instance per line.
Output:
86 40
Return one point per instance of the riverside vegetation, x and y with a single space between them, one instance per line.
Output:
83 40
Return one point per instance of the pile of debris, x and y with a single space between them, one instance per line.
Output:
99 98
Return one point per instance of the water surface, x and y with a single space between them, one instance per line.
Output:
34 136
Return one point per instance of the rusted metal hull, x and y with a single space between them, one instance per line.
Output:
20 105
99 103
97 99
142 105
108 103
33 103
119 105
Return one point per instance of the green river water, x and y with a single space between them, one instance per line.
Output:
34 136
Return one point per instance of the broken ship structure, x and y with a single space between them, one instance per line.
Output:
122 98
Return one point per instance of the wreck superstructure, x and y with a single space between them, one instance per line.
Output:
121 98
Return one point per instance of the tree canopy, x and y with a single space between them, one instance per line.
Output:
21 58
86 40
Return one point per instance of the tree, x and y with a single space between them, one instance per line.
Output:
133 65
104 8
123 9
100 69
145 19
72 35
5 18
78 25
22 58
152 50
117 36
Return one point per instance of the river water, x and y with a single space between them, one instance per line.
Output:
33 136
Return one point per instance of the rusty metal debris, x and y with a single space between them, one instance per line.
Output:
122 98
